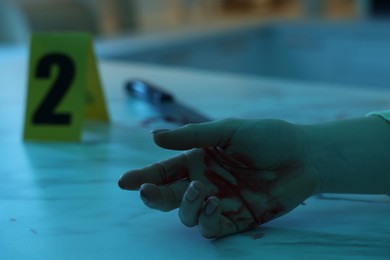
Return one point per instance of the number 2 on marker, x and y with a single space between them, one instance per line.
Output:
45 113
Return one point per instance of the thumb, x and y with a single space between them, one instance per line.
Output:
216 133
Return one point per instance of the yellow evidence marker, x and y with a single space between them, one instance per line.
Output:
63 87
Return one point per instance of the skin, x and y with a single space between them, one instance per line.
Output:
237 174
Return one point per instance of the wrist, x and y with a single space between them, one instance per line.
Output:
350 156
320 156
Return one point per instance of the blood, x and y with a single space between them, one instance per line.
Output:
229 190
245 161
226 189
220 154
207 160
270 214
256 236
242 168
247 180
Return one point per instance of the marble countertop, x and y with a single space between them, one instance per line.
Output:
61 200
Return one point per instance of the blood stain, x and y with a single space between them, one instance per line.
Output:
256 236
230 190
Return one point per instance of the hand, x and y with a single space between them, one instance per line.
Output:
242 173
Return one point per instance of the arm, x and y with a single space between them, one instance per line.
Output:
351 156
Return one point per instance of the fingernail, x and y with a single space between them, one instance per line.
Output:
120 184
192 193
144 198
157 131
211 207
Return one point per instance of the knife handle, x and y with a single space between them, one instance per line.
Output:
145 91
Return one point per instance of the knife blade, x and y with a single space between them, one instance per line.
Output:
164 102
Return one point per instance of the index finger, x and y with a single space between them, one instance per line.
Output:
161 173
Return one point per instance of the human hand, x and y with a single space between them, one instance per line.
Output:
241 173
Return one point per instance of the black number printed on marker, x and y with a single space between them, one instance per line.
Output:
45 113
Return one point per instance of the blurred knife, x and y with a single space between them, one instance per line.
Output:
164 103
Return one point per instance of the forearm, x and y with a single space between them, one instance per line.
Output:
351 156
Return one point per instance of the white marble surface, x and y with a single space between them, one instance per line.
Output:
61 201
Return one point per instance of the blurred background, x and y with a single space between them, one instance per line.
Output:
340 41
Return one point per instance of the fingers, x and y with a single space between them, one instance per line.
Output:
194 210
212 223
197 209
164 198
210 219
161 173
217 133
192 203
